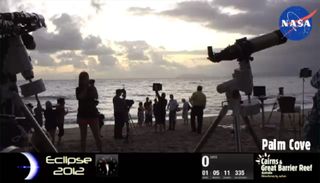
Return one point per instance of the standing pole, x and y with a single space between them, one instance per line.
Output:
302 101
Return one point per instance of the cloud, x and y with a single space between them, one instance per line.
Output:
242 4
100 50
107 60
67 35
91 42
42 59
186 52
144 60
4 6
140 11
135 50
72 58
92 45
97 5
67 46
259 16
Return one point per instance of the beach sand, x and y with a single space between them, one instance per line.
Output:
144 139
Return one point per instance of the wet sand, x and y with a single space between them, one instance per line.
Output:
144 139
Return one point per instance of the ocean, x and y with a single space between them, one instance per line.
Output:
139 89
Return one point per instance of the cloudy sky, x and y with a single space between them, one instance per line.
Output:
160 38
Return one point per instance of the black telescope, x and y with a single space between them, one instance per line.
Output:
243 48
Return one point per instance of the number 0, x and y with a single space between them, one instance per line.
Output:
205 161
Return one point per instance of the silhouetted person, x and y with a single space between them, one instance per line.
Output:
120 114
38 114
140 114
88 114
61 112
172 107
148 112
156 116
162 104
198 102
185 111
51 120
92 82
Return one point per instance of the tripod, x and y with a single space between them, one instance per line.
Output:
128 124
48 146
242 81
16 103
303 80
274 106
14 59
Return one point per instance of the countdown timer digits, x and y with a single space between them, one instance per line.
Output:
227 166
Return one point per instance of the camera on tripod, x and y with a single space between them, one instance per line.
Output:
157 87
305 73
14 59
129 102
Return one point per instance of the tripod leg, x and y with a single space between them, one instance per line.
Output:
130 120
132 125
273 108
126 140
251 131
211 128
236 125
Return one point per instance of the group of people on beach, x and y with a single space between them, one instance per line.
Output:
158 109
147 110
88 114
53 115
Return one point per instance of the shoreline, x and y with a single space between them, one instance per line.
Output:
144 139
70 125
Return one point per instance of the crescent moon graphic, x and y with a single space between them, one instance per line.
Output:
34 166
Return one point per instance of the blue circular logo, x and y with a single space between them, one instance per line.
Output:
295 23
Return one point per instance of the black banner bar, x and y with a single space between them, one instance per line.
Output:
226 167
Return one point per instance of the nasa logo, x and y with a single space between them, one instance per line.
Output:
295 23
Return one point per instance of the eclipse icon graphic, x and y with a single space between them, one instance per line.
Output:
33 166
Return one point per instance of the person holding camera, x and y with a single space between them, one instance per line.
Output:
162 104
120 113
88 114
198 102
172 107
